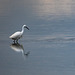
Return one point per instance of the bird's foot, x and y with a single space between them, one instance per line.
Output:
14 41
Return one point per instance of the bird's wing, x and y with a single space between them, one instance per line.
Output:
15 35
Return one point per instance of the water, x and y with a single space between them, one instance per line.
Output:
48 48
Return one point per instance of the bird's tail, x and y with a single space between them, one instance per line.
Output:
10 37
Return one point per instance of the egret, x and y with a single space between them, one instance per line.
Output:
17 35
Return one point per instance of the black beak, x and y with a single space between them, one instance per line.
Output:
27 28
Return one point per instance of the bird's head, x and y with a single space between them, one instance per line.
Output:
25 26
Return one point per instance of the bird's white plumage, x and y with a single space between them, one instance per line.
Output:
17 35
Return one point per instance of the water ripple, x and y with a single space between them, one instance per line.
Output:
50 39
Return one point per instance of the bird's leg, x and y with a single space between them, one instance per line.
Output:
17 41
14 41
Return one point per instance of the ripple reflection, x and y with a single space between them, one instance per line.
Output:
19 48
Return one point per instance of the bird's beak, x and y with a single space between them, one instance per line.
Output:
27 27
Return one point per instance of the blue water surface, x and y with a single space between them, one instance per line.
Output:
48 48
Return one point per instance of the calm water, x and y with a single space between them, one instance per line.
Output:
48 48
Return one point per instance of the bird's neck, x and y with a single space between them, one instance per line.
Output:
22 30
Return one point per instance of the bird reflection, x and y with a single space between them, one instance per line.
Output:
19 48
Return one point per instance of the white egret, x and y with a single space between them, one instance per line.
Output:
17 35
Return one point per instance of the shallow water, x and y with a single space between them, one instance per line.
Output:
48 48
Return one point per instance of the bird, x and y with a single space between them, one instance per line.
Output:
17 35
